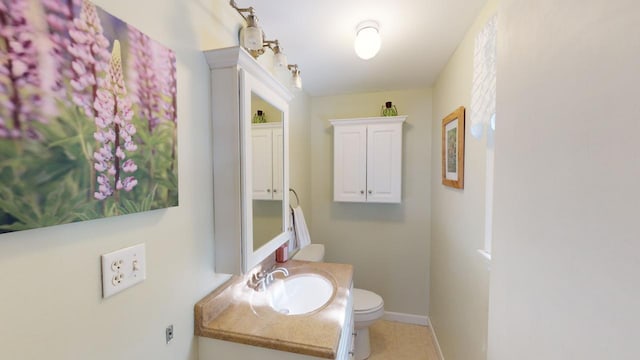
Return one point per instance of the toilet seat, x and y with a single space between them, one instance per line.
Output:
312 252
367 305
366 301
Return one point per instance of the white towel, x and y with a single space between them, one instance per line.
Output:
302 232
292 242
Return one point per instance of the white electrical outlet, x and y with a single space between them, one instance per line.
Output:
122 269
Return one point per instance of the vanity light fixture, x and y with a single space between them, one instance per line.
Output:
296 79
367 43
252 38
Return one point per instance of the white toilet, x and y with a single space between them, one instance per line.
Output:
368 306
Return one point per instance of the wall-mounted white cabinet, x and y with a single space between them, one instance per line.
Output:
267 161
367 159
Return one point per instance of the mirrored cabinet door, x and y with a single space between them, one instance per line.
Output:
267 144
264 123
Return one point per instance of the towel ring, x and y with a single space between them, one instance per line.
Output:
297 198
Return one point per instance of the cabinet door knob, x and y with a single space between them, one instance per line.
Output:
370 192
275 191
362 192
268 190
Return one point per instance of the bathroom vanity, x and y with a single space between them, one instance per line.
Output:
234 322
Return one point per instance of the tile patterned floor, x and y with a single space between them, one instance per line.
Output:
398 341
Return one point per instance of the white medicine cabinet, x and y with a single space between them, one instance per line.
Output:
247 229
367 159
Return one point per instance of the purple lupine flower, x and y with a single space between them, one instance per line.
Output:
143 77
104 188
114 131
168 84
127 184
89 50
129 166
59 15
19 77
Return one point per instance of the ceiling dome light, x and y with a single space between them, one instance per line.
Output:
367 42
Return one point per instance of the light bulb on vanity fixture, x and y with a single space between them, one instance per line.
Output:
279 58
296 79
251 36
367 43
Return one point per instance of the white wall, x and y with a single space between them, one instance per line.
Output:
300 152
387 243
50 301
564 277
459 292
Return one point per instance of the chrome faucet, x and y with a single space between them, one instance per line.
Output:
282 270
261 280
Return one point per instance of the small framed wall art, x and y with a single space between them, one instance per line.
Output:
453 149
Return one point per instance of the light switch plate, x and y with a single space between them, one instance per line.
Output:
122 269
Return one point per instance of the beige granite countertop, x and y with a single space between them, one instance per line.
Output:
227 314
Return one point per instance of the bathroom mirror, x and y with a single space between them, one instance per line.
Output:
265 171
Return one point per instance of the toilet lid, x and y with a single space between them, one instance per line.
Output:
312 252
364 300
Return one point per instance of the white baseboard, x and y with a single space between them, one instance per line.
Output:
406 318
435 341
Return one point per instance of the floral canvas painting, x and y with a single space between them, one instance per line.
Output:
88 116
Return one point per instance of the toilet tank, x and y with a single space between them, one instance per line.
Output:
312 252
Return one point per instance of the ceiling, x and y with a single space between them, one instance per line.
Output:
418 37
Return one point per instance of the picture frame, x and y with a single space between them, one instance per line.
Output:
453 128
88 116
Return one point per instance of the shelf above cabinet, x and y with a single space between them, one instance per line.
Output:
369 120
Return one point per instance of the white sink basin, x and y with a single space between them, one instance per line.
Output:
297 294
